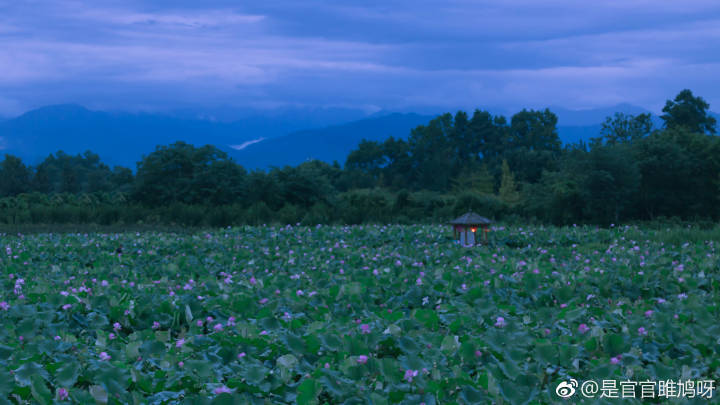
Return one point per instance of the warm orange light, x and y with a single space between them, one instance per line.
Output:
473 229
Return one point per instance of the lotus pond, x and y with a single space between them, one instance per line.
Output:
360 314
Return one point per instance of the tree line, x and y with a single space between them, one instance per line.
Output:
509 170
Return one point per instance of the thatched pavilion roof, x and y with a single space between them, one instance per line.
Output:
471 218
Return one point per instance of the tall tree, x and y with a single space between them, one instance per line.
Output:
689 112
623 128
533 144
508 191
369 157
177 173
14 176
611 183
486 135
535 130
432 153
474 180
398 169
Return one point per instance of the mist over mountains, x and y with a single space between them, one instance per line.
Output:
255 139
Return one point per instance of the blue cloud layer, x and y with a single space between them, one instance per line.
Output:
372 54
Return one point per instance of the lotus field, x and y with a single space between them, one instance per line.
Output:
356 315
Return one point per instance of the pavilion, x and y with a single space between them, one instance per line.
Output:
465 229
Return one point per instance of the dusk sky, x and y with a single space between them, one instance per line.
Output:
371 55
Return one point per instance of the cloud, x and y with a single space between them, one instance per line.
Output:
246 144
215 18
391 55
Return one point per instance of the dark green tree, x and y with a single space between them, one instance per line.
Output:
432 154
623 128
397 172
689 112
488 134
365 163
306 184
508 192
678 173
532 145
178 173
14 176
612 180
535 131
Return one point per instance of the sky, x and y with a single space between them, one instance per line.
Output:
370 55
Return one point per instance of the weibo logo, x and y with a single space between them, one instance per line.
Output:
566 389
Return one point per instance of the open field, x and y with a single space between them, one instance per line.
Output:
362 314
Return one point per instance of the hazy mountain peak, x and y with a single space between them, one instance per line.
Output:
56 111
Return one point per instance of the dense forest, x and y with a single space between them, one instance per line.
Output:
508 170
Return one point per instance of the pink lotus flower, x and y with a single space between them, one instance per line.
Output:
365 328
223 389
62 394
67 306
409 374
500 322
5 306
241 355
263 301
218 327
104 356
648 313
642 331
583 328
616 359
111 336
156 325
180 342
362 359
117 326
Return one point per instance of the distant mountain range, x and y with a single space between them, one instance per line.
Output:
256 140
329 144
123 138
